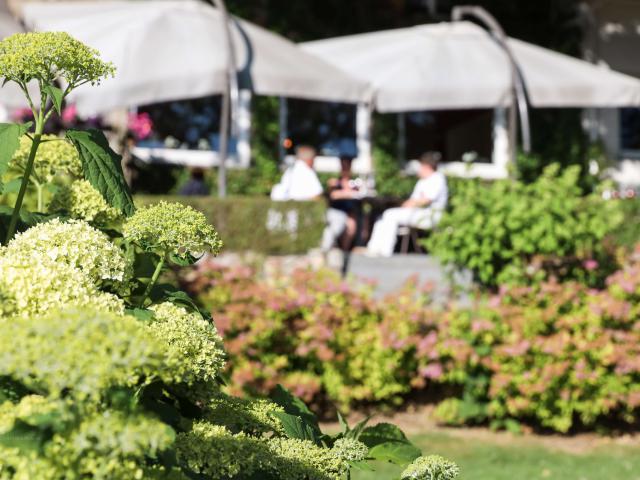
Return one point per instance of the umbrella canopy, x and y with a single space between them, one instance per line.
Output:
170 50
459 65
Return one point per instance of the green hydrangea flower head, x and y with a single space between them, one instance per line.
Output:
433 467
105 444
213 451
81 200
33 285
80 352
172 228
55 157
74 243
48 56
191 340
350 450
110 445
253 417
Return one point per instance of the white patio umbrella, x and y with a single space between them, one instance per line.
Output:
459 65
169 50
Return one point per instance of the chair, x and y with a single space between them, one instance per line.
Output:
410 236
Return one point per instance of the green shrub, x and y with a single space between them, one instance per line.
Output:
509 232
258 224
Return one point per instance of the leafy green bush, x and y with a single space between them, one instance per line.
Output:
105 373
258 224
509 232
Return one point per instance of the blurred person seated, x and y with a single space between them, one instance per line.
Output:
196 185
300 181
422 210
344 209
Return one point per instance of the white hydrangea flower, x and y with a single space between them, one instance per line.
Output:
192 339
37 284
74 243
350 450
84 202
433 467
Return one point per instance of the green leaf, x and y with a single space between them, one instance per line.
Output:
294 406
382 433
102 168
165 292
343 423
13 186
295 427
25 220
185 260
56 95
399 453
141 314
357 430
24 437
362 465
10 134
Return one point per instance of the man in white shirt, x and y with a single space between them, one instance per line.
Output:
423 209
300 181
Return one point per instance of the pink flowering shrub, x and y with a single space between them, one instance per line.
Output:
557 356
320 337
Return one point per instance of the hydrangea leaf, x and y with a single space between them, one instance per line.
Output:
294 406
56 95
382 433
295 427
141 314
13 186
102 168
10 134
362 465
399 453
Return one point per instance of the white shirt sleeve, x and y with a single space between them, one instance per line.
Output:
433 189
280 191
304 183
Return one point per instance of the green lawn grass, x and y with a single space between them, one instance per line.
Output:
522 459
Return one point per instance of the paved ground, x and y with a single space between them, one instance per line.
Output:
391 273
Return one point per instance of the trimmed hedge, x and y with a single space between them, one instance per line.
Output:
257 223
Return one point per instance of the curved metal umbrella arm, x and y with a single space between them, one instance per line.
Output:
230 97
519 86
232 73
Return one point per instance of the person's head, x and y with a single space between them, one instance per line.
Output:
429 163
345 165
306 153
197 173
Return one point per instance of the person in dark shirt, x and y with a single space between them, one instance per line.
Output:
195 186
343 207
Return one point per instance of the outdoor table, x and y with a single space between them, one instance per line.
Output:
372 208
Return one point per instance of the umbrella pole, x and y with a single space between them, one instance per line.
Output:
283 117
519 102
229 99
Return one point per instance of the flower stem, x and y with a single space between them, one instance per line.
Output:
40 190
25 179
153 281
